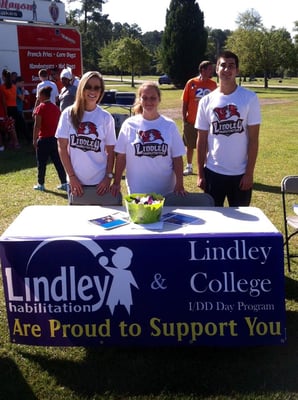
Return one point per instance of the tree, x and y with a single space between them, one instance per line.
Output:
295 29
184 40
276 53
260 49
129 55
249 20
152 41
98 33
268 51
95 28
244 43
106 62
88 7
125 30
216 42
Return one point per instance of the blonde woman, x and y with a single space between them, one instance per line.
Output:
86 138
150 148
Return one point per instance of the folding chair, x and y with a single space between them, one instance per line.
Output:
289 186
189 200
90 197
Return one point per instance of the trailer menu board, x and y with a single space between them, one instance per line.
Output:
48 47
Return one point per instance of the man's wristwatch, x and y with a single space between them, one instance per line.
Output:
109 175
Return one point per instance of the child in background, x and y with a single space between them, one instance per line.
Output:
21 126
46 120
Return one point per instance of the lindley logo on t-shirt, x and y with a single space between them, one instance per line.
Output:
229 121
67 288
151 144
86 138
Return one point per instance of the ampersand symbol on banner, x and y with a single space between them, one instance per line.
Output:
158 282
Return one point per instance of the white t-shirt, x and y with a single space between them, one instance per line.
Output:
54 92
226 117
87 145
150 147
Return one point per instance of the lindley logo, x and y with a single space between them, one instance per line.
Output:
228 120
54 11
86 138
66 287
150 144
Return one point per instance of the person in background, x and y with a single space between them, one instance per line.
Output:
44 82
55 77
194 90
21 126
86 138
14 76
9 92
150 148
68 92
44 141
75 80
3 113
228 123
7 127
3 75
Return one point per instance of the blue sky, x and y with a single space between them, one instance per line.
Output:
150 14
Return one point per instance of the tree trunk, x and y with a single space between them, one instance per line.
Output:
265 80
132 79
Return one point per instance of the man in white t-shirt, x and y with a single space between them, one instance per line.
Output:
44 78
228 123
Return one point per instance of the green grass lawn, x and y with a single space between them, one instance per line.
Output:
257 373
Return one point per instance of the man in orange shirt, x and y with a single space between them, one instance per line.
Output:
194 90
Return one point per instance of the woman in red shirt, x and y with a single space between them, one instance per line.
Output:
7 122
10 94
